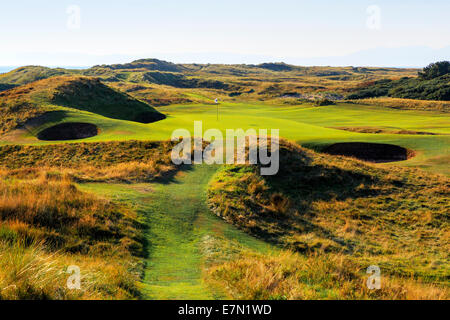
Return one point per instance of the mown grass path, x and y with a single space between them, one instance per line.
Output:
179 222
182 235
174 266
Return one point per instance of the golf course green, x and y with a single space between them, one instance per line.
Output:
313 127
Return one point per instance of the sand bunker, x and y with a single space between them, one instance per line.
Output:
149 117
372 152
69 131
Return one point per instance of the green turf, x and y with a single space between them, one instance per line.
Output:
309 126
182 233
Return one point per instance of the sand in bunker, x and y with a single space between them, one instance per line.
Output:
69 131
372 152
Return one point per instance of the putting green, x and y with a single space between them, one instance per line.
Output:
310 126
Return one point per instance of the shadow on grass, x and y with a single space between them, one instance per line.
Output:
170 176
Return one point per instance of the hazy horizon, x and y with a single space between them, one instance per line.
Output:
358 33
228 59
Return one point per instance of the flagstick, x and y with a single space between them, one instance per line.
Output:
217 103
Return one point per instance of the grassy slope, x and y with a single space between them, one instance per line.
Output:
346 209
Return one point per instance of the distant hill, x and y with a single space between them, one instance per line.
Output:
147 64
276 66
162 82
154 71
24 75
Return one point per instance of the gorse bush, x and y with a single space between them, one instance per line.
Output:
435 70
433 83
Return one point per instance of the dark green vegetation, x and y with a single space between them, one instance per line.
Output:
435 70
395 218
433 83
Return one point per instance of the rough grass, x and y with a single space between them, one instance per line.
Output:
290 276
406 104
125 161
47 224
395 218
383 130
31 272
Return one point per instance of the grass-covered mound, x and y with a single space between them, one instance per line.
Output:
392 217
21 104
24 75
91 95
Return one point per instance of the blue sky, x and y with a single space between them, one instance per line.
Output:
248 31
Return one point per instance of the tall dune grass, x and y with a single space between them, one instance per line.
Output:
406 104
47 224
290 276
